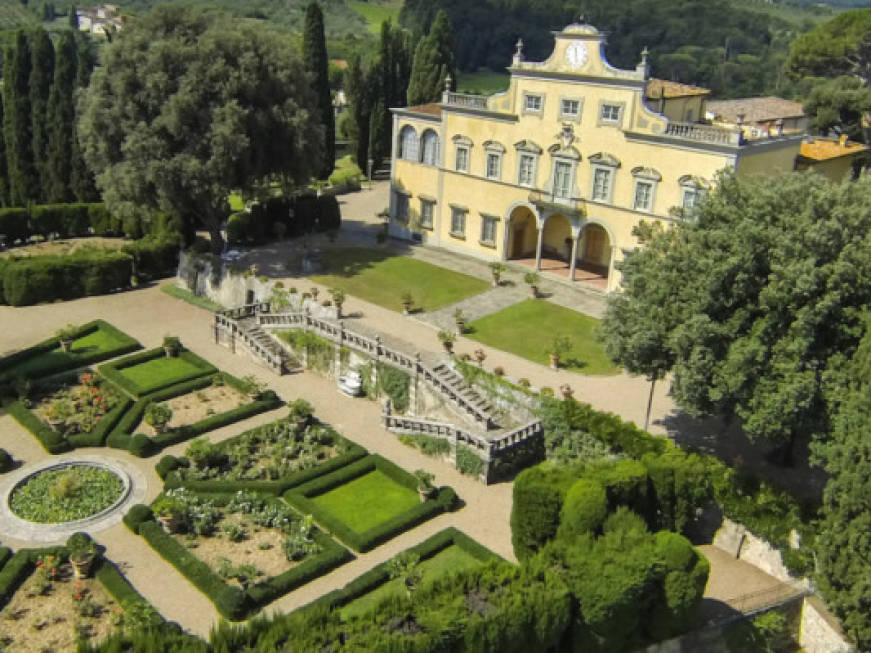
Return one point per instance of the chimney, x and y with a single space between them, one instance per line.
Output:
842 140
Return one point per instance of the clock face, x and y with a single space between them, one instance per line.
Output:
576 54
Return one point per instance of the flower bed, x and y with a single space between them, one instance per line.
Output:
380 505
217 546
63 495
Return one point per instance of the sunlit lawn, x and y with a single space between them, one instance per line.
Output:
367 501
378 11
382 278
528 329
159 372
482 82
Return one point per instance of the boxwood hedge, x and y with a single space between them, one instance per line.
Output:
112 371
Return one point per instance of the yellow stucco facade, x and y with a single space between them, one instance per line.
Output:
561 166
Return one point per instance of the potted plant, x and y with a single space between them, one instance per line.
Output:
407 301
83 553
425 486
66 335
171 346
496 269
253 386
560 345
405 566
338 296
158 416
480 355
170 513
532 279
447 340
59 411
460 320
314 290
566 391
300 413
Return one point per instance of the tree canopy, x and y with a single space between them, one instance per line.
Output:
188 106
433 63
841 46
314 53
748 304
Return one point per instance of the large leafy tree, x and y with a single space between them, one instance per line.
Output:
748 304
433 63
843 545
188 106
840 104
314 53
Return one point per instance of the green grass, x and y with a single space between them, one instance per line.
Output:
159 373
483 82
377 12
451 559
529 328
187 296
367 501
381 278
95 343
236 202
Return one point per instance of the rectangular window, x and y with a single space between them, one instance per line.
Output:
690 200
601 184
458 221
427 210
526 170
401 207
462 163
488 229
493 165
562 182
643 195
610 112
570 108
532 103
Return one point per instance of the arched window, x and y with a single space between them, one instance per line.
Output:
408 147
430 146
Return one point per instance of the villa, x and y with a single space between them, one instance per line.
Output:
556 171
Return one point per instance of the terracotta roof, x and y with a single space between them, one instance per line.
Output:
755 109
429 109
658 88
822 149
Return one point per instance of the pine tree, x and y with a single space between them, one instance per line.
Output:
433 62
81 178
62 117
41 74
314 54
23 184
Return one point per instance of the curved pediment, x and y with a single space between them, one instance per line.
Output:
605 159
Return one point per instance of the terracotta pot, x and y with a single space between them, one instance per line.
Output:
554 361
534 290
406 308
171 523
82 565
66 345
449 346
461 328
496 280
425 493
171 352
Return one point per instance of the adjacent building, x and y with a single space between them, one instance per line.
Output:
556 171
835 158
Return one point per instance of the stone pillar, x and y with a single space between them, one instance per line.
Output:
412 385
538 247
574 256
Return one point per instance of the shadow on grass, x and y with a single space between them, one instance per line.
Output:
573 364
351 261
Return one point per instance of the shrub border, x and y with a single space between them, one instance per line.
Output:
131 345
112 371
301 499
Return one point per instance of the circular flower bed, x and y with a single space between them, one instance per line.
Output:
67 494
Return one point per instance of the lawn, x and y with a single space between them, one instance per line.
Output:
101 343
482 82
367 501
451 559
382 278
529 328
159 373
377 12
187 296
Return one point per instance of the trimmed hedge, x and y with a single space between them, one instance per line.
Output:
309 213
97 436
380 574
584 509
13 573
539 493
52 441
153 257
71 360
112 371
300 498
6 463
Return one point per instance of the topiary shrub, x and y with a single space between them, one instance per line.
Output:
626 485
141 445
624 520
6 462
584 509
136 515
539 493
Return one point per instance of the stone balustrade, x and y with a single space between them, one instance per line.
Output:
466 100
703 133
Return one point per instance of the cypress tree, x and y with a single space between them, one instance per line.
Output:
359 96
23 184
433 62
41 74
62 118
389 80
314 54
81 179
4 171
74 18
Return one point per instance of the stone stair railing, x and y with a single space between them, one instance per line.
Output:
232 323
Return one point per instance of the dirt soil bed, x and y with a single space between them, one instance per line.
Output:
35 622
66 246
195 406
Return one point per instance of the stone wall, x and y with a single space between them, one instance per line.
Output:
736 540
819 631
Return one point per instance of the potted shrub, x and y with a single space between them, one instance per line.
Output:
83 553
253 386
407 301
158 416
170 513
171 346
338 296
532 279
447 340
480 355
202 453
313 291
496 269
566 391
425 486
66 335
300 413
560 346
460 320
405 566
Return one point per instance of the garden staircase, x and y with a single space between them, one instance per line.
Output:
241 324
462 395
